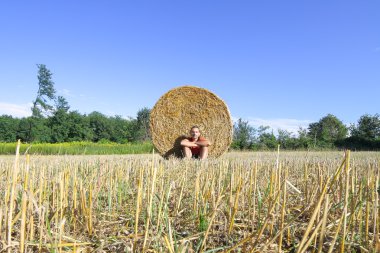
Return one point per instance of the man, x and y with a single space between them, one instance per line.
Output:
195 146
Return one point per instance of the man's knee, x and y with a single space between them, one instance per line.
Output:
186 152
204 149
204 153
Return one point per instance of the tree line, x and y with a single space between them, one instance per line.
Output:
52 121
69 126
328 133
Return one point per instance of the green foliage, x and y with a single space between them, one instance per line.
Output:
203 223
100 126
368 127
266 140
78 148
79 127
120 130
133 133
40 132
36 129
8 128
70 126
45 93
243 136
303 141
327 131
59 126
358 143
23 129
285 139
247 137
365 135
62 104
143 124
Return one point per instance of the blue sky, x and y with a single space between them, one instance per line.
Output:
278 63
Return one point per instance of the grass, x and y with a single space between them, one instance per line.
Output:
241 202
77 148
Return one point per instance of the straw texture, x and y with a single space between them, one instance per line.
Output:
183 107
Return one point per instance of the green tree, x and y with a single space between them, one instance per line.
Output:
327 131
266 140
62 104
133 132
285 139
59 122
143 123
40 131
23 129
120 133
79 127
45 93
368 127
59 125
243 136
100 126
8 128
41 105
303 141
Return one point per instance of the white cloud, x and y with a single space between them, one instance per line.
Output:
84 96
291 125
66 93
16 110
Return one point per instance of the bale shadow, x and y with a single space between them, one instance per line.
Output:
176 151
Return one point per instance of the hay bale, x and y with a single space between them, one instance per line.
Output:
181 108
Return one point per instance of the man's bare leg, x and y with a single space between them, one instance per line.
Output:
186 152
204 153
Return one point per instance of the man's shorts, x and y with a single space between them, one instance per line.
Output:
195 156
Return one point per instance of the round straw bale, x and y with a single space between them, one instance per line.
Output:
181 108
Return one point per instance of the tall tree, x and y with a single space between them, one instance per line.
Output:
327 131
368 127
46 92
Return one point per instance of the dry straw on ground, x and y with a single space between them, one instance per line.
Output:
183 107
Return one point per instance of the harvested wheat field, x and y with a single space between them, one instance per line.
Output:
240 202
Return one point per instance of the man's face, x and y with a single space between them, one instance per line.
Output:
195 133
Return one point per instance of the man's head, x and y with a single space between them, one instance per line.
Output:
195 132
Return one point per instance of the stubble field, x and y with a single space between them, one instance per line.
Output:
240 202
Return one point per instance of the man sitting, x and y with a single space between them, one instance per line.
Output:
195 146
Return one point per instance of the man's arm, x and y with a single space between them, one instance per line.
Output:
203 142
189 144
